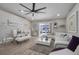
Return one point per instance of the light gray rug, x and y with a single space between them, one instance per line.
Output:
42 48
27 52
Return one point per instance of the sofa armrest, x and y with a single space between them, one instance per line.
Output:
57 49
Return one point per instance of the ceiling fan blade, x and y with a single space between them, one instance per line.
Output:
26 11
25 7
40 9
33 7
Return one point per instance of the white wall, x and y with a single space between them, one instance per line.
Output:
5 28
74 10
35 25
60 22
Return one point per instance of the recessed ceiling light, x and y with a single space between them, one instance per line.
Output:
58 14
21 11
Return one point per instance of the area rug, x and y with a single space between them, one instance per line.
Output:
27 52
42 49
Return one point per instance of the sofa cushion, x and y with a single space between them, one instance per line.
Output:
62 52
77 51
73 43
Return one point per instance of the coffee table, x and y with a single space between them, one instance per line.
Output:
43 41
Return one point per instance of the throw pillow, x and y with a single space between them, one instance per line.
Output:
73 43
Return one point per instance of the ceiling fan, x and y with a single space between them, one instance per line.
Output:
33 10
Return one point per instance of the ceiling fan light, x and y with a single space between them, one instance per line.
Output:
32 13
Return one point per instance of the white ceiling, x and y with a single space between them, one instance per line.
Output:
50 12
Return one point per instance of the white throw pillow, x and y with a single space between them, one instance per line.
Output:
77 51
68 37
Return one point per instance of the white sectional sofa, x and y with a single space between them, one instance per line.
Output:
61 39
66 52
72 48
62 52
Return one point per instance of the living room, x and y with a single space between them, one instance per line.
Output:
34 29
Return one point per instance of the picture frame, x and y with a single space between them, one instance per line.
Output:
72 22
